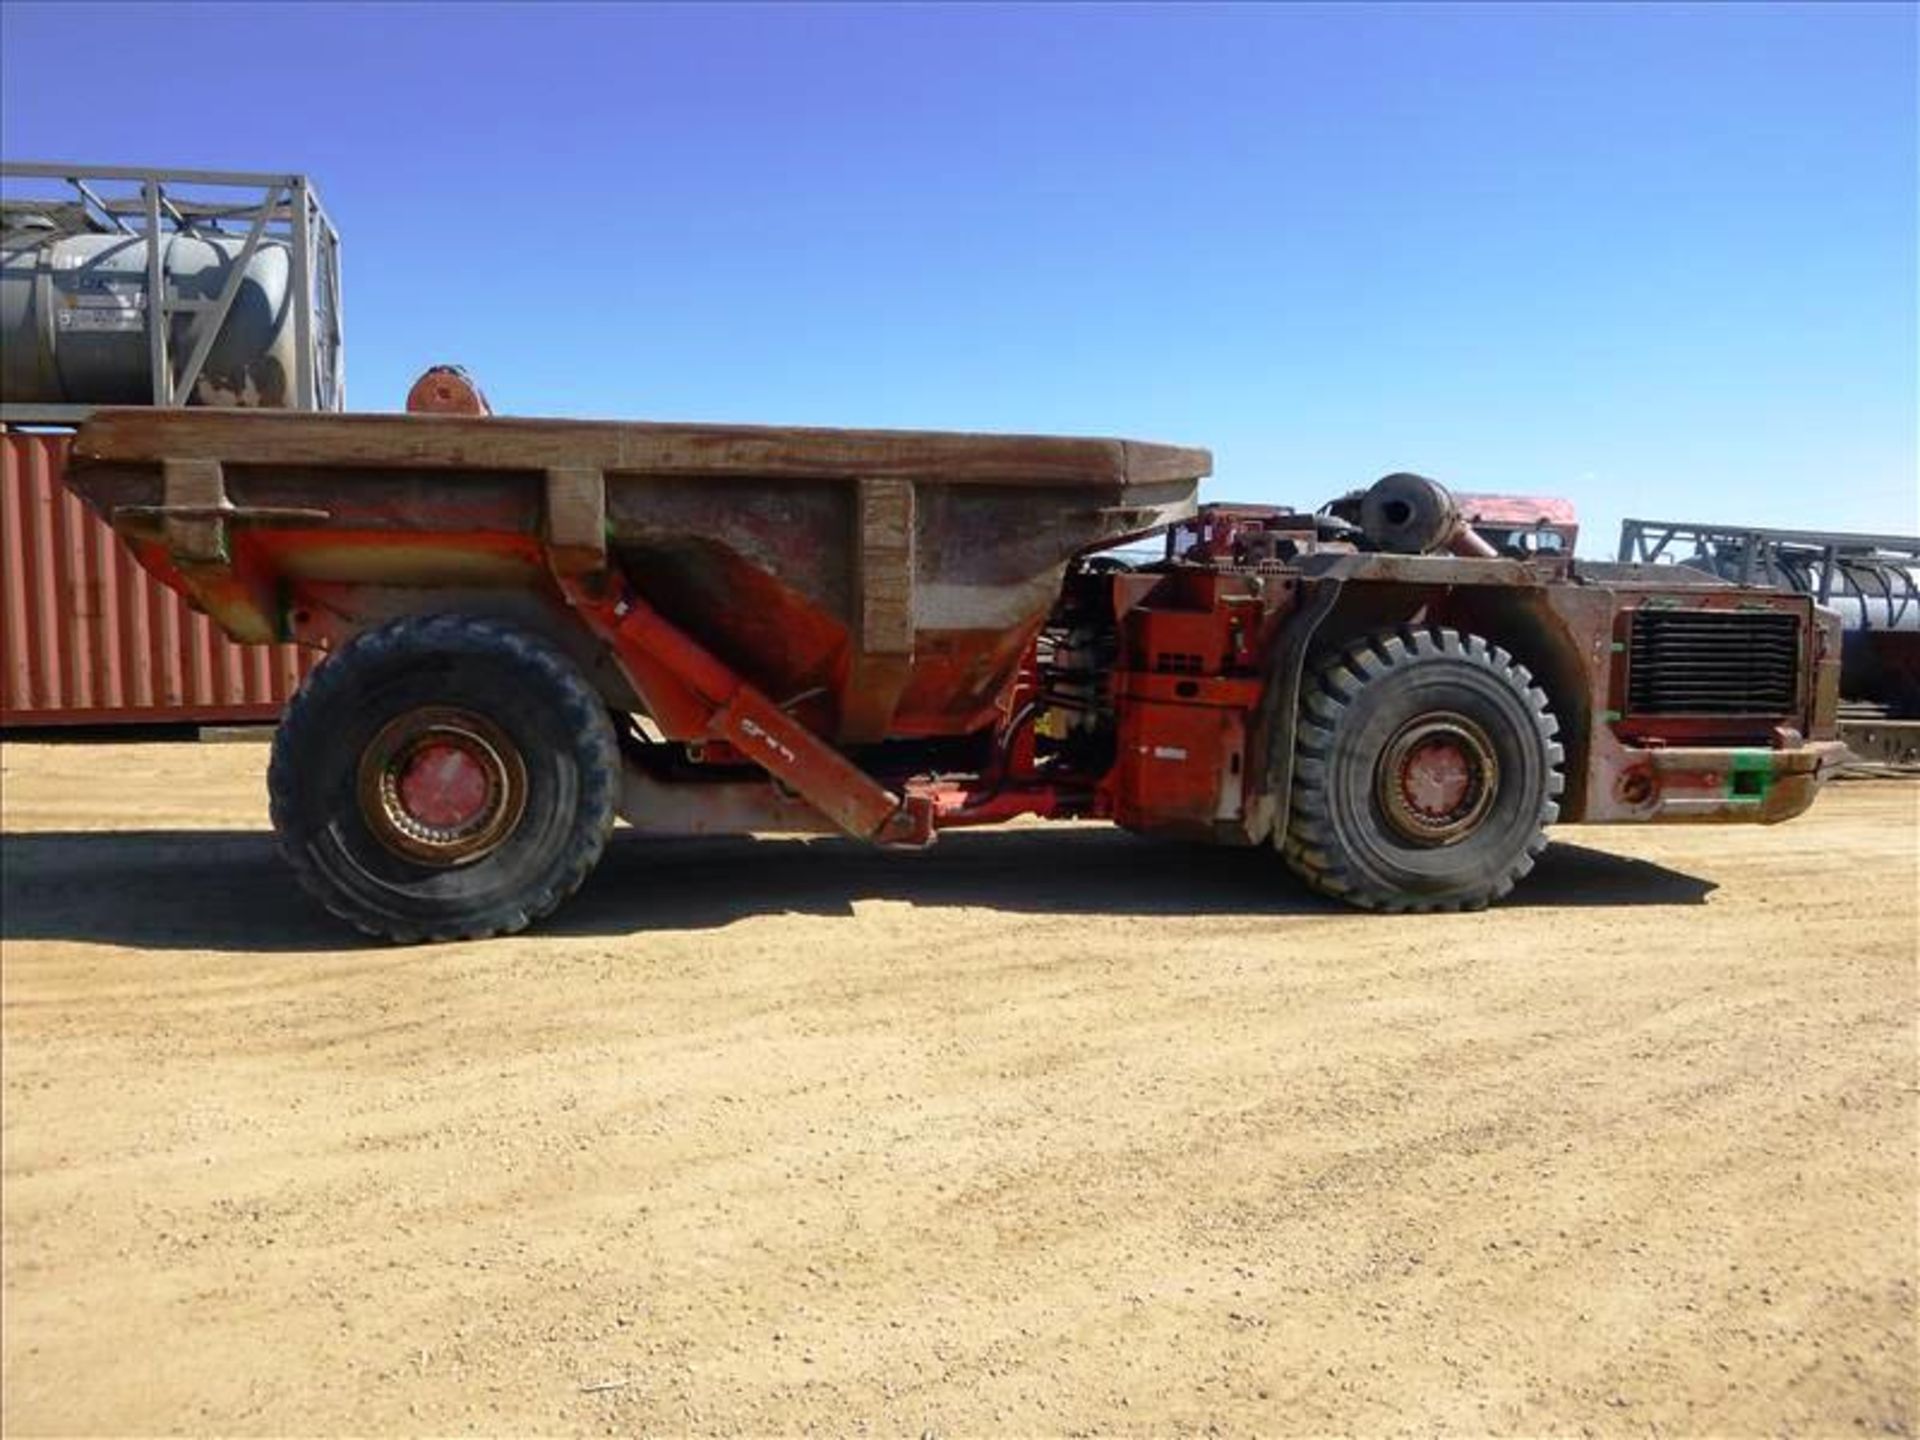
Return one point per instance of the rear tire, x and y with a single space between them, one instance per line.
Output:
1426 770
444 778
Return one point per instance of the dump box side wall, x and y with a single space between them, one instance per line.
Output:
815 587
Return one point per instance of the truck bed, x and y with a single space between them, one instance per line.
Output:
886 581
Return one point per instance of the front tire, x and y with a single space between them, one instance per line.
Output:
1426 770
444 777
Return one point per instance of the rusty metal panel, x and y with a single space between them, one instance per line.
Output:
87 637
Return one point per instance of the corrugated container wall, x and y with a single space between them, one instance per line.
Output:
88 638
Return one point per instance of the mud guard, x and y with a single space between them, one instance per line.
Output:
1280 706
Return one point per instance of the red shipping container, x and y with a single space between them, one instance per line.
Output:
89 638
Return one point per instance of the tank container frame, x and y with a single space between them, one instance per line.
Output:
148 203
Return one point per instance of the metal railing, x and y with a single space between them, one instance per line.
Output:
1816 562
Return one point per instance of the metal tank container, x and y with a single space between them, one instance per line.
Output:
73 314
147 287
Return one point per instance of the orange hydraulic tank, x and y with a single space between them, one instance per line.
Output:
87 637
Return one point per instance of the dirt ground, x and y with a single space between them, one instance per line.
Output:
1053 1130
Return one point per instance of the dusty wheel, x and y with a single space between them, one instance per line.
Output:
444 777
1426 769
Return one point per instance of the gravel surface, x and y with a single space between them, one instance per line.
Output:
1052 1130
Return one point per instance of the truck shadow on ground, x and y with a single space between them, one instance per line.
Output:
229 890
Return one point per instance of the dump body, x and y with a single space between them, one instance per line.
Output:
880 584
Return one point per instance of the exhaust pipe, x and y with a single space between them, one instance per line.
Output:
1411 515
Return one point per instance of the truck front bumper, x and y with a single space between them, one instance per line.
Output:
1731 785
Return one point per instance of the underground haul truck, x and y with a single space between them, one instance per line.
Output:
538 626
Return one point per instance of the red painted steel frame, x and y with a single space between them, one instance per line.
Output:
692 695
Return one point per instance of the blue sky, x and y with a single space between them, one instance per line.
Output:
1661 260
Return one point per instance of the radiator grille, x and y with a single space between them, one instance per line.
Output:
1713 662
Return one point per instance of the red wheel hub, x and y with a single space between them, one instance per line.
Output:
444 785
1436 778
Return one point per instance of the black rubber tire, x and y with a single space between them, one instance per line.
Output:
1338 838
534 696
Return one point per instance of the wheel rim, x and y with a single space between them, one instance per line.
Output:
442 786
1437 778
